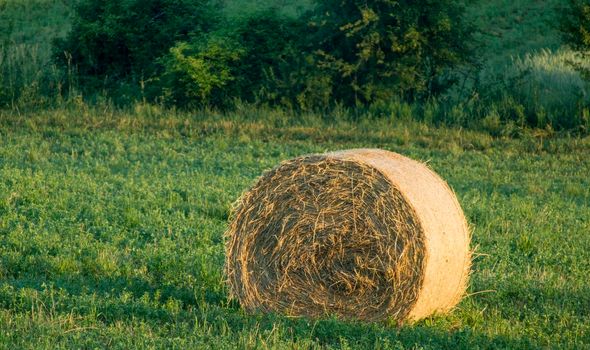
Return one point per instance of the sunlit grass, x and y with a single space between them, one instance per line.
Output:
111 230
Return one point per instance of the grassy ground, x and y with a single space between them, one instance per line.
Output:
111 230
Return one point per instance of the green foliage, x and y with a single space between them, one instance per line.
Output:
199 76
541 90
234 9
275 49
261 55
576 24
351 53
380 49
518 83
116 42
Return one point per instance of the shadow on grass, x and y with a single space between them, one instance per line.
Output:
122 300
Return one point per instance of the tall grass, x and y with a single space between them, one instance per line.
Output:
551 89
27 78
27 28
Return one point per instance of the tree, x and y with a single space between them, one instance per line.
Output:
377 49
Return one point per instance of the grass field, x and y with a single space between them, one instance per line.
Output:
111 231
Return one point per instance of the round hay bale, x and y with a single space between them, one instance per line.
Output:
361 234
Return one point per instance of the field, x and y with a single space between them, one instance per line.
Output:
112 219
114 237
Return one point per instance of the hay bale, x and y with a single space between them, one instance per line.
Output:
362 234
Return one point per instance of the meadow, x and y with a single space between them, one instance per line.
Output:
112 219
111 231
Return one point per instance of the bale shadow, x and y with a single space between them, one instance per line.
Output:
105 298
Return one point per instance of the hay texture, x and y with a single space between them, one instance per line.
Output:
361 234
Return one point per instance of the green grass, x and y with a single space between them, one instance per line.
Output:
111 229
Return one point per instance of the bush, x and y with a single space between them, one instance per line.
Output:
114 41
275 51
380 49
256 59
197 75
347 52
575 24
575 27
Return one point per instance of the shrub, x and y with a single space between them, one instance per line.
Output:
576 24
256 59
379 49
198 75
348 52
114 41
575 27
275 50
